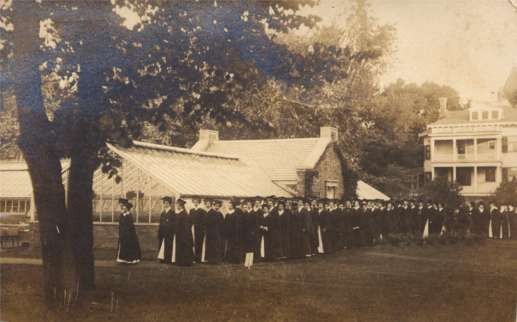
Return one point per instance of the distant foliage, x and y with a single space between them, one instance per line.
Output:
512 98
441 190
506 193
9 128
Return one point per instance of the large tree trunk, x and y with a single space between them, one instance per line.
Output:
36 143
80 196
86 138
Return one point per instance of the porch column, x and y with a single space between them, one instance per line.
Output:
498 175
432 152
453 174
475 149
32 210
432 173
454 150
498 145
476 179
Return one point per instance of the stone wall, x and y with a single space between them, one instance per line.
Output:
329 168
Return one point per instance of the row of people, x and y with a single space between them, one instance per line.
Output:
272 228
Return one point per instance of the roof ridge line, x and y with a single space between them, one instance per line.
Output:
270 140
182 150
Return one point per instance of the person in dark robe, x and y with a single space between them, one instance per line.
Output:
483 221
234 227
267 226
505 221
513 222
128 246
213 245
466 217
314 233
165 231
307 227
436 222
297 230
198 218
495 221
366 232
355 224
319 222
250 233
341 224
281 240
347 212
183 250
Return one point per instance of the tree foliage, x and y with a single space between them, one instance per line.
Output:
506 193
441 190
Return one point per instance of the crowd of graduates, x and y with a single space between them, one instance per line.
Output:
276 228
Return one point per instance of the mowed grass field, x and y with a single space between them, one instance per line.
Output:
431 283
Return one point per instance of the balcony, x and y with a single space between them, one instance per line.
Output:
466 150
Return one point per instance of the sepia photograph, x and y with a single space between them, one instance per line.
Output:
258 160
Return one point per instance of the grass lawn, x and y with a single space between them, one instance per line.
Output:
430 283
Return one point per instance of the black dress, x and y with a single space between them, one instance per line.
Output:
198 218
250 223
128 246
183 237
233 236
165 235
213 240
282 233
267 226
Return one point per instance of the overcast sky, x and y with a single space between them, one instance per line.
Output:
468 44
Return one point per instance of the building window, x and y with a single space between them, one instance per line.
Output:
464 176
491 145
511 141
427 150
460 147
474 116
490 174
331 189
484 115
495 115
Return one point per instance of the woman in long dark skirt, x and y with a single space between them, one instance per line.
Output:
250 234
212 247
233 233
183 253
268 225
128 245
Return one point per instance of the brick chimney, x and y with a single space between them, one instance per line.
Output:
443 106
329 132
206 138
208 135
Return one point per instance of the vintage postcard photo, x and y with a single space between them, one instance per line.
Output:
258 160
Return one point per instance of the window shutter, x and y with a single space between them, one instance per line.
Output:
428 152
505 174
505 144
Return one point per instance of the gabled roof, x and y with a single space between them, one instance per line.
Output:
366 192
15 181
463 116
190 173
279 158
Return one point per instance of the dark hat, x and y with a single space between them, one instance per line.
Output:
235 202
168 199
181 202
218 202
125 202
